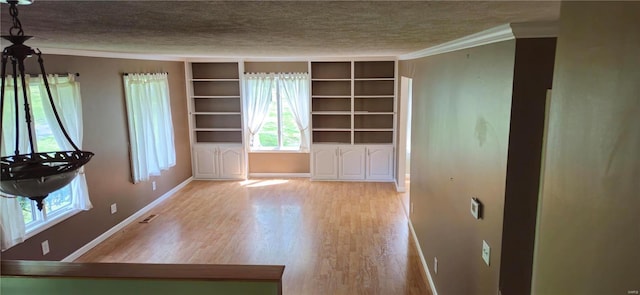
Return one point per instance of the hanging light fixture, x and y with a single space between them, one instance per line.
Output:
32 175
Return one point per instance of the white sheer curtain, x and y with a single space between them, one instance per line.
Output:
150 124
294 88
256 98
12 228
65 91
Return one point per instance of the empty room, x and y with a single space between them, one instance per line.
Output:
320 147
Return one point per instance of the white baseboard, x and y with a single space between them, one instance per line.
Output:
399 188
75 255
280 175
425 266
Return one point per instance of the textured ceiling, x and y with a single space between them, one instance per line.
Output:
265 28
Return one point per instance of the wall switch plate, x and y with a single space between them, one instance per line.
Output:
475 208
435 265
45 247
114 208
486 252
153 185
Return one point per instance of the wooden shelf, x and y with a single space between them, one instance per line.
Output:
330 80
372 129
374 79
353 102
331 70
216 96
372 113
216 113
217 129
219 70
216 102
331 113
332 129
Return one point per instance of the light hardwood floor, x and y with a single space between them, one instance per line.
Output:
333 237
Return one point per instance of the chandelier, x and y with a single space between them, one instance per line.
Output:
33 175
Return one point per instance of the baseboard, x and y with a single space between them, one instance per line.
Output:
425 266
75 255
399 188
280 175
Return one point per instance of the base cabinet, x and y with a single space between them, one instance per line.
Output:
352 162
218 161
324 162
379 163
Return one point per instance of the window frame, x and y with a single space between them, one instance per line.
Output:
42 220
280 148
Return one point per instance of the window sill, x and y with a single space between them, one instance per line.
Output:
36 229
277 151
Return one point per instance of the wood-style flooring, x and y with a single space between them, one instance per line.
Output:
333 237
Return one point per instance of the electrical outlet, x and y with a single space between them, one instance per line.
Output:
45 247
114 208
435 265
153 185
486 252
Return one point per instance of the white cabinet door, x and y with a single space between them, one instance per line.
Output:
205 161
380 162
231 161
324 162
352 163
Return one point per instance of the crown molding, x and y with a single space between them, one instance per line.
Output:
493 35
106 54
548 29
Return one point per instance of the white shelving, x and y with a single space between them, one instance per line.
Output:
353 102
216 120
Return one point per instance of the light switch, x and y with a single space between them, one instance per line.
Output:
486 252
475 208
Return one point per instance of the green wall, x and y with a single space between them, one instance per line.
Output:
70 286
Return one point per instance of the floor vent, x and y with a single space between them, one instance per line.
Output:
149 219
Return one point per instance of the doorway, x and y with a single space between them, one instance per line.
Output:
404 140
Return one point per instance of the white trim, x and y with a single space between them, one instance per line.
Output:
106 54
497 34
84 249
493 35
399 188
280 175
548 29
425 266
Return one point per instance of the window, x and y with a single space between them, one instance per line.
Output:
277 111
279 130
48 138
150 124
60 201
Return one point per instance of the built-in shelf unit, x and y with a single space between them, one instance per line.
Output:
353 118
217 108
353 102
216 119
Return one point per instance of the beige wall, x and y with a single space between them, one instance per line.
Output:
478 117
105 134
278 162
461 109
277 67
589 226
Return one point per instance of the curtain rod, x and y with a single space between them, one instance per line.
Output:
127 74
59 74
62 74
